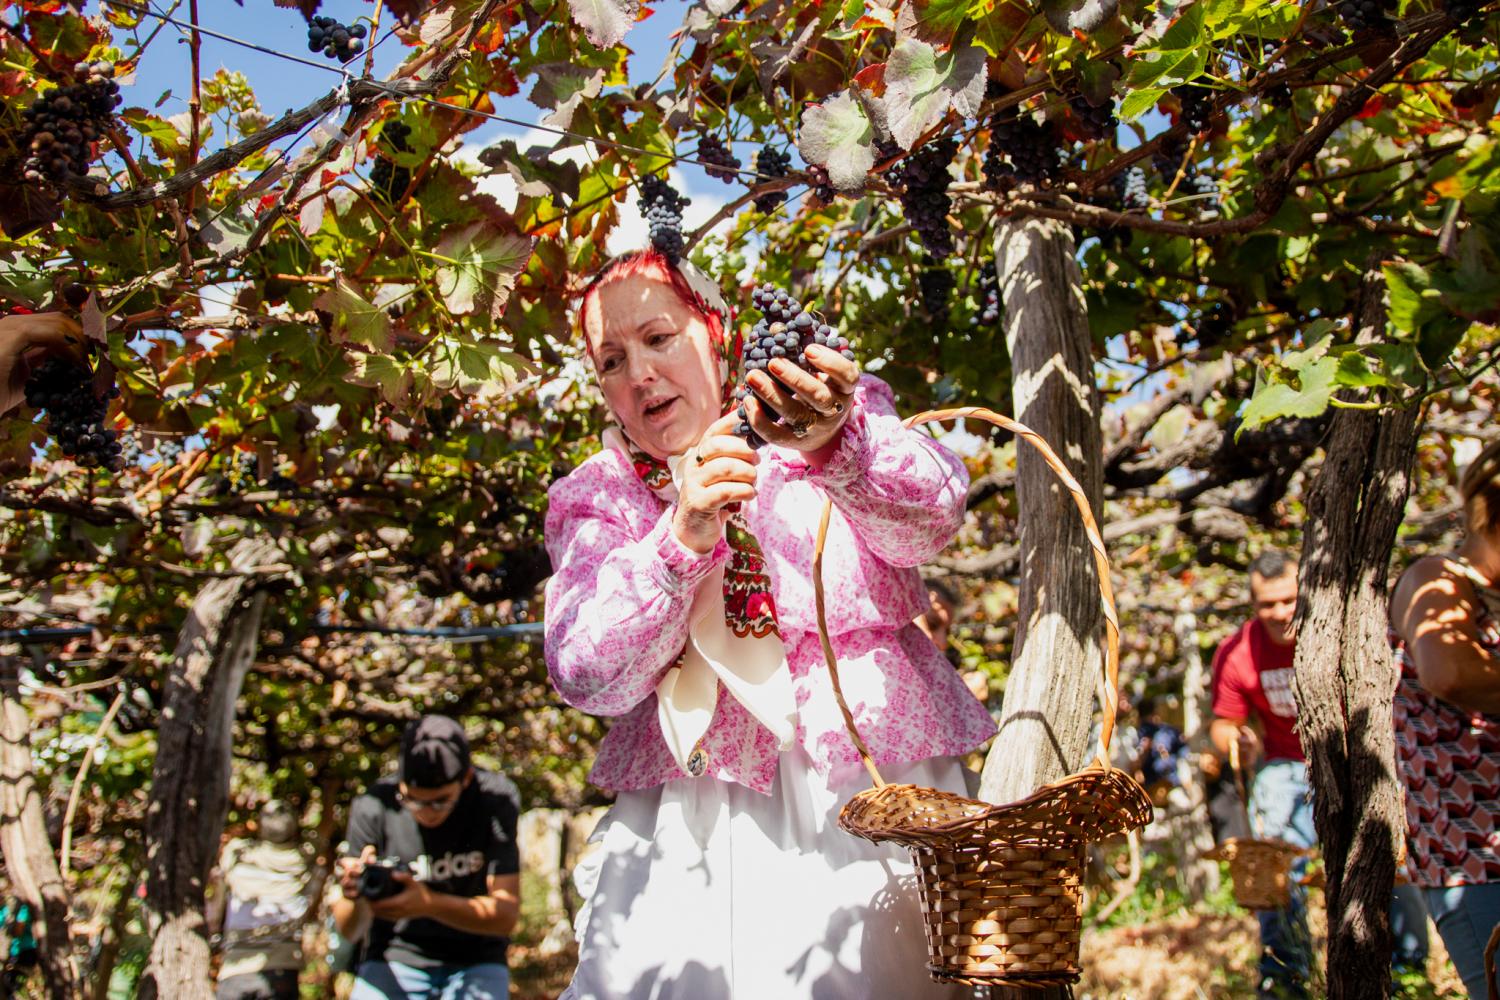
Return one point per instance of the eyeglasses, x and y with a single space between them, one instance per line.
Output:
441 805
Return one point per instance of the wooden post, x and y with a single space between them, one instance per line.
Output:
190 783
1195 830
1049 696
30 862
1345 675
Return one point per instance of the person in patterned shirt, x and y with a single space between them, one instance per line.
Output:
682 607
1445 630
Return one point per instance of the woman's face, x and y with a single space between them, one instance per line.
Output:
655 365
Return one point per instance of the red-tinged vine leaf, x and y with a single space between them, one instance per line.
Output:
935 21
307 7
872 79
838 135
92 320
922 85
478 268
25 208
1068 16
561 88
354 318
605 22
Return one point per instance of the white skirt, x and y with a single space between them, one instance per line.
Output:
704 889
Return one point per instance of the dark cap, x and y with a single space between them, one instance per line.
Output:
434 752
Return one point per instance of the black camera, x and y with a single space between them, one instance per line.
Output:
377 880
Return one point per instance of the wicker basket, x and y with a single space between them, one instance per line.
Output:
1260 869
1001 886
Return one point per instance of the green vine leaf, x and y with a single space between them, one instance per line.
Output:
477 268
605 22
837 135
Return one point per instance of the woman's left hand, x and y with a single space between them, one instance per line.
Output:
814 410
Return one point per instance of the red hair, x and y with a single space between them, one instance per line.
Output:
647 263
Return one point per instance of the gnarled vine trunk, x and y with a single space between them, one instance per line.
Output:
190 783
29 859
1345 676
1049 695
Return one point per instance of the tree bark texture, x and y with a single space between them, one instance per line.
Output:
190 783
1345 675
1049 695
1195 830
30 862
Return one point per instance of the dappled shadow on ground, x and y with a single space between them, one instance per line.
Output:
1212 956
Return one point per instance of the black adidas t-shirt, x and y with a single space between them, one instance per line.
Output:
478 839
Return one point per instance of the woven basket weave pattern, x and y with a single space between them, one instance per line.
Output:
1001 886
1260 870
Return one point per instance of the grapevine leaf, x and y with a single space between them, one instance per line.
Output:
382 372
936 21
605 22
25 208
1001 26
1278 399
1413 300
1355 372
1096 81
478 268
561 88
921 86
355 318
1138 102
836 134
1068 16
477 366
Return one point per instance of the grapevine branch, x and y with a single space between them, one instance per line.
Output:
1268 195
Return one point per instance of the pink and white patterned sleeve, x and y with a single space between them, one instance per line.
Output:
617 606
903 492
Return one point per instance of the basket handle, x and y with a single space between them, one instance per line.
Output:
1101 565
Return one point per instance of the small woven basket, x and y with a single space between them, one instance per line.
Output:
1260 869
1001 886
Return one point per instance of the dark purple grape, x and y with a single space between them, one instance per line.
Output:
63 389
921 180
785 330
717 159
661 206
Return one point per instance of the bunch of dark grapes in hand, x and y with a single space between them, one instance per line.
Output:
1131 187
987 294
785 330
1098 122
922 181
1366 15
389 180
936 285
717 159
335 40
64 390
1197 105
662 207
1029 145
63 125
771 164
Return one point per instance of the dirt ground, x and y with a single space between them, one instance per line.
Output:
1195 956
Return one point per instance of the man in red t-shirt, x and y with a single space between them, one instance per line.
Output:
1253 680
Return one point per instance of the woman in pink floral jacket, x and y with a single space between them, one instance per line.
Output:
682 607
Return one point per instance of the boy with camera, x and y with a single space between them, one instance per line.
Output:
433 888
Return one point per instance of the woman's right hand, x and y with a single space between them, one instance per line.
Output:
26 338
718 471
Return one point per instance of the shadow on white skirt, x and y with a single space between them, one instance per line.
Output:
704 889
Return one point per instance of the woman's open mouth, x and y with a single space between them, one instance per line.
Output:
660 412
